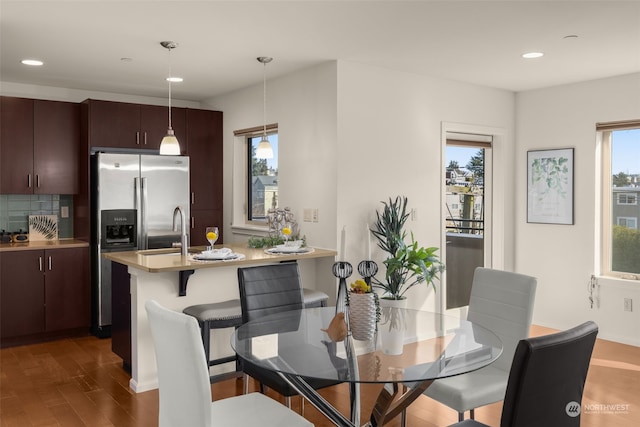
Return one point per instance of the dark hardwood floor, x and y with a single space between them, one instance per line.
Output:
80 382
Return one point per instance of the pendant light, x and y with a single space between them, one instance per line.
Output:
264 150
169 145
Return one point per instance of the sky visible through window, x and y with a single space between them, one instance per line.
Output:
625 156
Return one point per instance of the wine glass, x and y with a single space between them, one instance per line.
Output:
286 232
212 236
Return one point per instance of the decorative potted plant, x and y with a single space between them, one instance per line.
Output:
364 310
407 264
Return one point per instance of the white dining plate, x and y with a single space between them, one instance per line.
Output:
216 255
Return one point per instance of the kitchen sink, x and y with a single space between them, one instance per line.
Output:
166 252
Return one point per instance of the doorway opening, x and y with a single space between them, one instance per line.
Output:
467 212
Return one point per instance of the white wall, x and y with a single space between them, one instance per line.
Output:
563 256
303 105
352 136
389 139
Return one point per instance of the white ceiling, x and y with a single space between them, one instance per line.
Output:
480 42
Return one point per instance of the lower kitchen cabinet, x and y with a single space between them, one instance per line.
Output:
43 292
22 293
67 290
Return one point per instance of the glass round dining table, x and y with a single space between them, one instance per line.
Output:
409 350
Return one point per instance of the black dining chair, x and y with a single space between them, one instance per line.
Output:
270 289
546 380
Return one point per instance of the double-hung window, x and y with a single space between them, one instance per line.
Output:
620 190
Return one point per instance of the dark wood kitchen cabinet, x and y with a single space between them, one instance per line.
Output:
22 294
39 144
200 220
125 125
204 138
43 292
67 291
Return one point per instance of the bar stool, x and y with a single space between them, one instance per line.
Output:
313 298
217 315
228 314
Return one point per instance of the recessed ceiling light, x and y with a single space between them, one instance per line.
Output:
174 79
33 62
531 55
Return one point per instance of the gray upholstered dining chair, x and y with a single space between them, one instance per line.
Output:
547 380
502 302
183 381
270 289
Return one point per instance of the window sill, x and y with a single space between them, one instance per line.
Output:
618 282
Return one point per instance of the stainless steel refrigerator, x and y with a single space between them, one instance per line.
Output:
133 201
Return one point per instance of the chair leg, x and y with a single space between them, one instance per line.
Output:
206 339
472 414
287 400
302 399
245 386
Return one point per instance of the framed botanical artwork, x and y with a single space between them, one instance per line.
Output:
550 186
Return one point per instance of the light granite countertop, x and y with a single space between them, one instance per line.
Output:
163 260
43 244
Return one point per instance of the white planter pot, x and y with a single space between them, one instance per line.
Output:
392 325
362 316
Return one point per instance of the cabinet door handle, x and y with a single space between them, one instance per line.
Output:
145 138
38 180
137 138
193 223
40 262
29 180
49 262
193 197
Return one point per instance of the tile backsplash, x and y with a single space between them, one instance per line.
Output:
16 208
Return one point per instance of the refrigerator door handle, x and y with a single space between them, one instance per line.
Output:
143 213
137 205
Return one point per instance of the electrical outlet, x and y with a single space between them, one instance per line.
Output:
310 215
628 304
307 215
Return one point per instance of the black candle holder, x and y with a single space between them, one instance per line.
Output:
367 270
342 270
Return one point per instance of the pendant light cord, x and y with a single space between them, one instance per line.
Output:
169 79
264 99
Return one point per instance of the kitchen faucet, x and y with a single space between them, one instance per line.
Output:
184 239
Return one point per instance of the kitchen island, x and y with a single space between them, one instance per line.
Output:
178 281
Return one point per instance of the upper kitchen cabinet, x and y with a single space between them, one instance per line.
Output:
39 144
124 125
204 147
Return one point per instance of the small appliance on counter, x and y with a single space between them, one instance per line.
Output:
6 237
20 236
